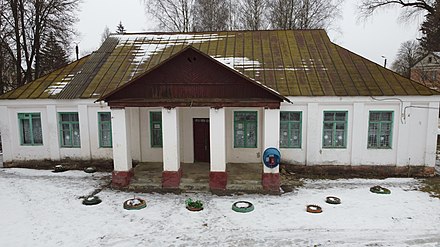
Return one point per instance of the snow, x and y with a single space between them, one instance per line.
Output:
147 45
56 87
41 208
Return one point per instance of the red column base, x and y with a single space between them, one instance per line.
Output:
218 180
121 179
171 179
271 182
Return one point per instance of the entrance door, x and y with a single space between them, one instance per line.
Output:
201 139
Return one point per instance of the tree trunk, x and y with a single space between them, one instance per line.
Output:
14 8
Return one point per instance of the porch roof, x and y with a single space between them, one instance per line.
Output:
192 78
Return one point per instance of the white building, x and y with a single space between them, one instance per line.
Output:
223 98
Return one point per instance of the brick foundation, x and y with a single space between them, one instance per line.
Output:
121 179
363 171
171 179
218 180
271 182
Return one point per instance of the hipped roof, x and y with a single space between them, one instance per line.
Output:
291 62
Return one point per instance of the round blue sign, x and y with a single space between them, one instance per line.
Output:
271 157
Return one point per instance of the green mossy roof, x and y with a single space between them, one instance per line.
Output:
292 62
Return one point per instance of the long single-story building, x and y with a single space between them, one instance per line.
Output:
223 98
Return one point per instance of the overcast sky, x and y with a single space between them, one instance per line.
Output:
379 36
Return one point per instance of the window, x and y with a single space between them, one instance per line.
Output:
69 130
290 129
105 129
30 129
380 127
245 129
156 129
335 129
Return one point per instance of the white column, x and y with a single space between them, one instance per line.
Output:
313 140
271 134
431 134
84 131
217 127
53 132
121 143
6 135
358 141
403 136
171 140
135 135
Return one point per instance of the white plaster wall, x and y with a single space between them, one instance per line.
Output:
414 136
187 114
296 155
50 149
17 151
134 131
148 153
96 151
242 155
414 131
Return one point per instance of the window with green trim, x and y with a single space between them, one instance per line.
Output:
105 129
245 129
30 129
69 130
380 126
334 129
156 129
290 129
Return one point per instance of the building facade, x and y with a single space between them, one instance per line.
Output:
222 98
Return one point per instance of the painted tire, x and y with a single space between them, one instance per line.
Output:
314 209
90 169
242 207
91 200
59 168
332 200
380 190
194 209
128 204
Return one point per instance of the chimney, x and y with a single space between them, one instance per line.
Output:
77 52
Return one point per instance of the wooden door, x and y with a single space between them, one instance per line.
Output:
201 139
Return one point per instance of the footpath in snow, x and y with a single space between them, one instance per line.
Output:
41 208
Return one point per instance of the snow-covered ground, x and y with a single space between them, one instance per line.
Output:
41 208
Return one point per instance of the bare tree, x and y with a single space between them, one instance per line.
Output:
105 34
410 7
251 14
31 22
303 14
211 15
173 15
407 56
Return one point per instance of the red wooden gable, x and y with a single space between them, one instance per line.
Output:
192 78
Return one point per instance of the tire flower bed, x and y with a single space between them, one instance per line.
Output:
194 205
332 200
59 168
91 200
242 207
135 204
314 209
380 190
90 169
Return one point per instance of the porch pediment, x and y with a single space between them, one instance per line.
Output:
192 78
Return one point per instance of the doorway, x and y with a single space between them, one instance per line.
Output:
201 139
